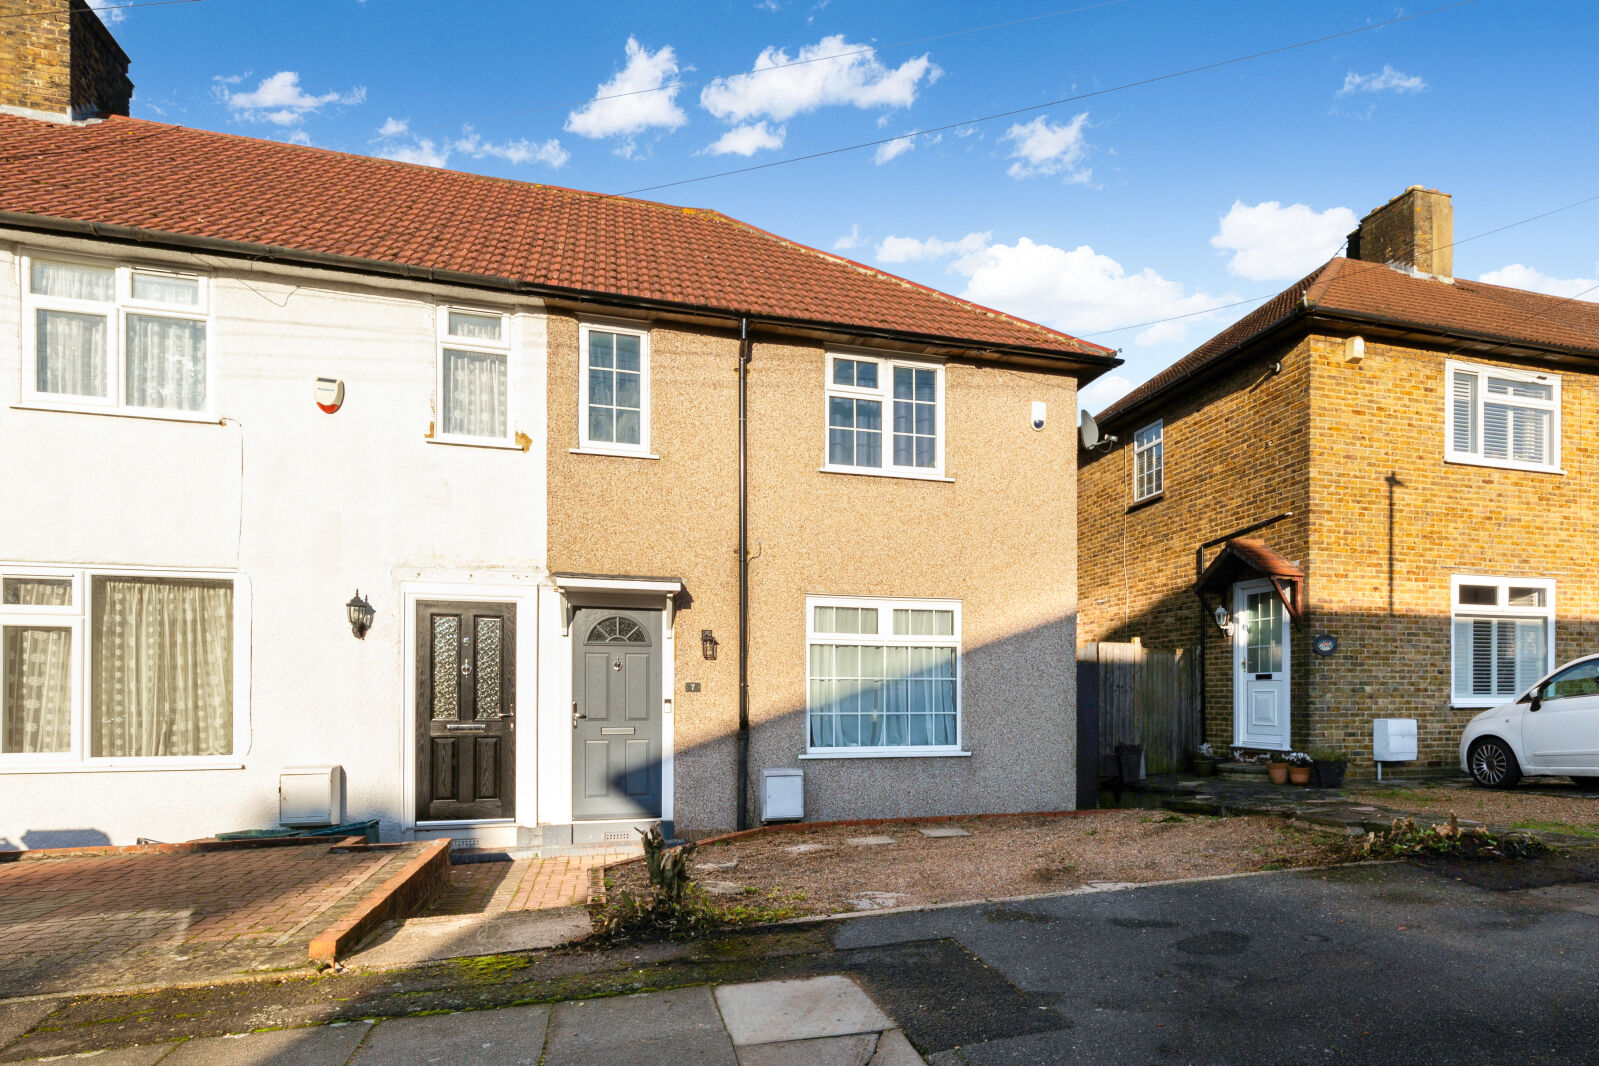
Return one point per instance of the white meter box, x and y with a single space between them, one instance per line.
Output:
1393 739
309 795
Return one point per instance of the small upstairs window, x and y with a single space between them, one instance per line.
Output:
1149 462
1500 417
614 405
474 376
884 416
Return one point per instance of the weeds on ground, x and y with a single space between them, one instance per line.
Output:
1406 838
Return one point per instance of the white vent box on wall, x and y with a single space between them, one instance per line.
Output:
309 795
1393 739
782 795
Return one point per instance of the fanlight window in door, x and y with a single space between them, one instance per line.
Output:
617 630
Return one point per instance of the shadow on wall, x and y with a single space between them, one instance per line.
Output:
61 838
1017 719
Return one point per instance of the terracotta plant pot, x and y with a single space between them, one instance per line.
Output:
1299 775
1278 771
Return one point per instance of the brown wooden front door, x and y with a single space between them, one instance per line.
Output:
466 710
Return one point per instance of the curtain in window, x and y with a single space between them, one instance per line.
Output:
38 674
166 363
71 353
73 282
162 676
871 697
474 394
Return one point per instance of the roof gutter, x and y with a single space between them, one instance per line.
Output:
389 268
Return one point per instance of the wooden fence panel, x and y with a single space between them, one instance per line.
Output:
1146 697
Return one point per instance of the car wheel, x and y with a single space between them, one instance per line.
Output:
1493 765
1590 783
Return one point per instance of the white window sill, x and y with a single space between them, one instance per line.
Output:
1481 703
621 453
197 417
477 442
1501 464
118 766
867 471
888 753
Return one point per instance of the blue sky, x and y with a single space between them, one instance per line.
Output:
1135 205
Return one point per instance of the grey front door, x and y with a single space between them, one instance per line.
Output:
616 714
466 703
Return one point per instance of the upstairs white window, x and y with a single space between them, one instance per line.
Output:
884 676
614 413
1149 462
474 376
1503 630
104 337
884 416
1499 417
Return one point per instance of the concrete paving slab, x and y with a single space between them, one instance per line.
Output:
680 1026
765 1012
477 934
942 831
807 849
18 1018
319 1045
143 1055
513 1036
894 1050
868 842
828 1051
874 901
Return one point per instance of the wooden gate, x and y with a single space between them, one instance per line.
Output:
1141 696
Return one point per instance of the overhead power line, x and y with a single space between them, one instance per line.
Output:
1053 103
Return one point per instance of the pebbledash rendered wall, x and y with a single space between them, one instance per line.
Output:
303 506
998 536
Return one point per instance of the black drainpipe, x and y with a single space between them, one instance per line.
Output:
743 574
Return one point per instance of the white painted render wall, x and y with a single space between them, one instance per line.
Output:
306 507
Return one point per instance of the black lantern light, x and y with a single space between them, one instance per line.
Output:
708 643
360 613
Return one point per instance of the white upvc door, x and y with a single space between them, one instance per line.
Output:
1260 667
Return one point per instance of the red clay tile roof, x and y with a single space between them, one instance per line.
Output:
197 183
1357 288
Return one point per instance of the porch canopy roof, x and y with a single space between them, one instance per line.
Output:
1246 558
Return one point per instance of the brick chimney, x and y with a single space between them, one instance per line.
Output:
59 62
1414 231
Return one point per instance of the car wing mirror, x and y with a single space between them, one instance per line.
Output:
1537 700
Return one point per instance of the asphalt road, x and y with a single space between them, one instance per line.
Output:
1376 964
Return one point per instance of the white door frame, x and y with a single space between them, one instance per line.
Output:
557 604
524 595
1241 678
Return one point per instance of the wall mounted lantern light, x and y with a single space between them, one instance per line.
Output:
1224 621
708 643
360 613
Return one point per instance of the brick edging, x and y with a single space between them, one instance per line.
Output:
796 827
401 896
187 846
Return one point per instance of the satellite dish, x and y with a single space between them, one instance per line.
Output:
1088 431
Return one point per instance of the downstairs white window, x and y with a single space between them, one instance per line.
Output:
884 676
115 666
1503 630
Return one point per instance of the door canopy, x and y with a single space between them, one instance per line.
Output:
1246 558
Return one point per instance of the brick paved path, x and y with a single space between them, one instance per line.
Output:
521 885
97 921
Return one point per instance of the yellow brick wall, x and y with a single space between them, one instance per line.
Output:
57 57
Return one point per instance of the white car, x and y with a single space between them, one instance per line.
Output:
1553 728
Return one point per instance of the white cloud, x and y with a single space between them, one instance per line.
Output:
298 137
279 99
1102 392
637 98
396 141
110 11
1272 242
1081 291
910 250
852 239
1387 78
1044 147
748 139
832 72
1518 276
900 145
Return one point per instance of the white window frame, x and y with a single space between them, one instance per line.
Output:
1498 612
115 312
883 393
476 346
641 450
885 608
1158 470
76 618
1482 372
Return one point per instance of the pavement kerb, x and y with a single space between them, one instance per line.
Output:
401 896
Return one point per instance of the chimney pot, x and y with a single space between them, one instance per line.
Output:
1415 231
